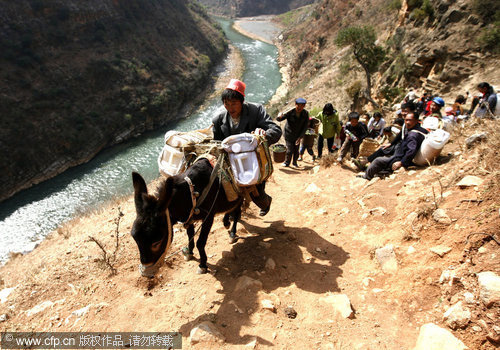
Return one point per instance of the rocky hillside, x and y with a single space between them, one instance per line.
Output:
77 77
246 8
443 46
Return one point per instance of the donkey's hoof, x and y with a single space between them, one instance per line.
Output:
202 270
233 239
187 255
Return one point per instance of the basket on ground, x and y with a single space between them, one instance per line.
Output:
367 147
279 152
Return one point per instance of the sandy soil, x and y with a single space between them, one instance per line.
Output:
316 242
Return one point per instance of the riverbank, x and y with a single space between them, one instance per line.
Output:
263 28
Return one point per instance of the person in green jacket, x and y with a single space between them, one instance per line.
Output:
328 129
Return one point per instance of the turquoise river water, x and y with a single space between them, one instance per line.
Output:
29 216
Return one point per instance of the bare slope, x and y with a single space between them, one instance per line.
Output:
313 244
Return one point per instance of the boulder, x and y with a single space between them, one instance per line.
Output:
205 332
457 316
433 337
489 283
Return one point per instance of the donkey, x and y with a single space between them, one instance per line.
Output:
152 228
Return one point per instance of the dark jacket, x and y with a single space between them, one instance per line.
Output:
252 116
296 126
360 130
409 146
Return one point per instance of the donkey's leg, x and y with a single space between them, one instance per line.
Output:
236 214
188 251
202 241
226 220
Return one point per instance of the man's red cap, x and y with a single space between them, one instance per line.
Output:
237 85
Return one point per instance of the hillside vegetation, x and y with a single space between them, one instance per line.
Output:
77 77
445 47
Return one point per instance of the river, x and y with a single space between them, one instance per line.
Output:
28 217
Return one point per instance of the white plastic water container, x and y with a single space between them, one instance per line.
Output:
242 158
171 161
431 147
430 123
245 167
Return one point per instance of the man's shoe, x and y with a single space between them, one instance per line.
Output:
362 176
339 159
285 164
263 212
300 159
295 165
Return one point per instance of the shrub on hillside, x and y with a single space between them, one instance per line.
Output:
490 38
488 10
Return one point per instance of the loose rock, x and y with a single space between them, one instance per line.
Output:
457 316
312 188
340 303
489 283
433 337
290 312
440 250
387 259
440 216
206 332
245 282
470 181
270 264
268 305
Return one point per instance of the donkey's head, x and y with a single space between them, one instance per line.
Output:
152 229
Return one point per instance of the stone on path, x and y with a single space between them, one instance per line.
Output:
39 308
440 250
440 216
270 264
433 337
4 294
387 259
340 303
205 332
470 181
312 188
457 316
489 283
245 282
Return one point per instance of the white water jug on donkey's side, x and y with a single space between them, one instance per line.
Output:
431 147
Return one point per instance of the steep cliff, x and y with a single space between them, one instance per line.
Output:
442 46
246 8
77 77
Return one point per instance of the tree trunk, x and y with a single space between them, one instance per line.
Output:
368 93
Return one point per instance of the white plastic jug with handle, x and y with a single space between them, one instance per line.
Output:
431 147
171 161
242 158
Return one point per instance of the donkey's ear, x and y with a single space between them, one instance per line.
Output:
140 190
166 194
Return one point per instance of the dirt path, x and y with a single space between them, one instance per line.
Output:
317 242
